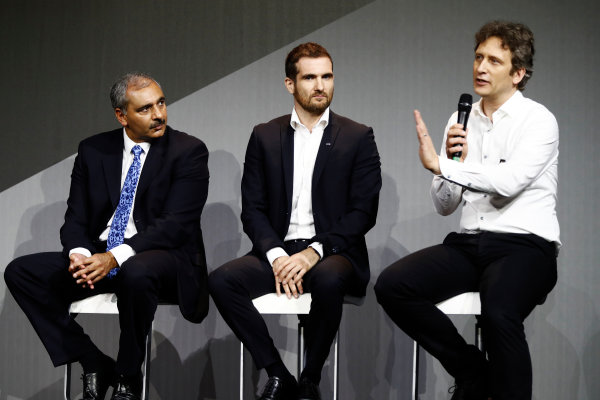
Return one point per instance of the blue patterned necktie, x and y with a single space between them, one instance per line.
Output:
119 223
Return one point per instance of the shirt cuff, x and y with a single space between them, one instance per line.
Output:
81 250
275 253
318 248
450 170
122 252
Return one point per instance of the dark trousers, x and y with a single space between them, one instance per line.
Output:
44 288
512 272
234 285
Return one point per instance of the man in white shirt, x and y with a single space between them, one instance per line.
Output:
505 184
132 227
310 192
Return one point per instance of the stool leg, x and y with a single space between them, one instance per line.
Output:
146 373
68 381
478 337
300 348
336 372
68 374
415 377
241 371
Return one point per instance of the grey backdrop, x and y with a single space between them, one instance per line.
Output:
221 65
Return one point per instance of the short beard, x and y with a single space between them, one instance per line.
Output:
312 108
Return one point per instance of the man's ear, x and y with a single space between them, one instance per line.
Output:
290 85
121 116
518 75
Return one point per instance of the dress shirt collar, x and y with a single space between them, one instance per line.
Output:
323 121
512 106
128 144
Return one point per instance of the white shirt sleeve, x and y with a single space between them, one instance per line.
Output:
534 152
318 247
446 195
122 252
81 250
275 253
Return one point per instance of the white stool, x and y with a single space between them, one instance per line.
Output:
270 303
465 303
106 303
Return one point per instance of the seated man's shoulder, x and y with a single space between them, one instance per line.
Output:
102 140
268 133
526 108
183 139
348 124
274 124
536 114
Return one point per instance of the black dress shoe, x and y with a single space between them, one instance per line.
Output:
473 384
128 389
95 384
308 390
279 389
475 389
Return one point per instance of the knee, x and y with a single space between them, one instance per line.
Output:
497 319
388 286
14 270
133 277
327 283
382 287
215 281
220 280
10 273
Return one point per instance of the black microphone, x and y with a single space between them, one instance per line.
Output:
464 109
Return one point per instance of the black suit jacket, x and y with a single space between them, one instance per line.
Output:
171 193
345 189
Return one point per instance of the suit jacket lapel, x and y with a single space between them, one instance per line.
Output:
327 142
112 164
287 159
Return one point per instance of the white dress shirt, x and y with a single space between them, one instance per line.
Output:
306 147
123 251
509 179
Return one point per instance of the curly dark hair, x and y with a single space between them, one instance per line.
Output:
518 38
310 49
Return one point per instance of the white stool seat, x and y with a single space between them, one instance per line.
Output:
463 304
106 303
270 303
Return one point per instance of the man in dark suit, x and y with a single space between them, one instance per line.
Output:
132 227
310 192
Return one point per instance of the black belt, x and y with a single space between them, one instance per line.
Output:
296 241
